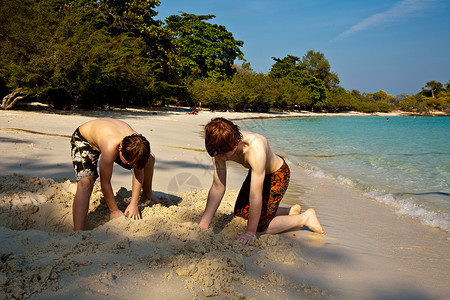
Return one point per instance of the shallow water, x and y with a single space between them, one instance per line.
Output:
403 162
371 200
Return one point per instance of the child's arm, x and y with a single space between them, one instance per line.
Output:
148 180
255 200
106 168
216 192
132 211
257 162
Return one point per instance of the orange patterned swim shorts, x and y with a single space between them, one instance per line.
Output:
275 185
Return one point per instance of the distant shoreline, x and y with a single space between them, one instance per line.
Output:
37 106
343 114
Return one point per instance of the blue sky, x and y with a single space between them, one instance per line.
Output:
391 45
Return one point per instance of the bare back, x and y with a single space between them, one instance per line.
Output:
255 150
105 133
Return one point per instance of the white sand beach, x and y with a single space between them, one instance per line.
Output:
369 251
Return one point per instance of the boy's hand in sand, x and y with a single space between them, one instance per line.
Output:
132 212
245 238
115 214
203 227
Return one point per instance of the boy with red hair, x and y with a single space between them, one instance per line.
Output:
266 182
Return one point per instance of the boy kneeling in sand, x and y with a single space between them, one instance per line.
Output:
117 142
262 190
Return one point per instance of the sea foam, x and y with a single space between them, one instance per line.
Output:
416 211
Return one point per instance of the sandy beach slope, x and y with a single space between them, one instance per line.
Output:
368 253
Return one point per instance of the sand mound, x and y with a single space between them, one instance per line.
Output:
167 241
36 203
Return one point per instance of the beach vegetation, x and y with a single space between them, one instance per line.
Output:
434 88
421 103
312 73
204 50
66 53
116 53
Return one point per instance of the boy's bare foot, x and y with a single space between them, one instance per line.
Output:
312 222
295 210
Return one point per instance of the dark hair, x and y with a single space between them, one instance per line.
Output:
221 136
136 150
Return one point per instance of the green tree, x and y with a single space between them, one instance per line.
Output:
137 18
340 99
298 71
443 100
289 67
319 67
384 100
203 49
128 16
413 103
435 87
64 53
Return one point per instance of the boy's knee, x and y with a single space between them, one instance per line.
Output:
86 183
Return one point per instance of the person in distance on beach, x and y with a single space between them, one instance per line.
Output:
103 142
266 182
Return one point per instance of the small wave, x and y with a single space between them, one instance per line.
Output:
403 206
310 170
345 181
416 211
318 173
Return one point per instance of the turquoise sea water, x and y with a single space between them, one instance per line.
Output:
403 162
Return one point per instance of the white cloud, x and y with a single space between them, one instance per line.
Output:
401 10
